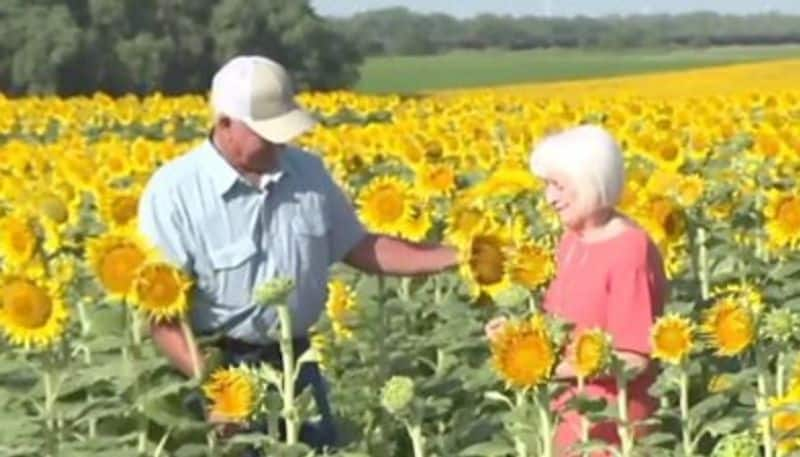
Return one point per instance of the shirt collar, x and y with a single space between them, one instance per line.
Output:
225 177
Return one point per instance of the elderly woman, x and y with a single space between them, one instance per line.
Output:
609 272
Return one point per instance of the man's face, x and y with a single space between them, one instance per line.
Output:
244 148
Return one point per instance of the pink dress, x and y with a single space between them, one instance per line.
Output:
618 285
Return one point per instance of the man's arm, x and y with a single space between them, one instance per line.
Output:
171 341
390 255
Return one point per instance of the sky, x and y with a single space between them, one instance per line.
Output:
467 8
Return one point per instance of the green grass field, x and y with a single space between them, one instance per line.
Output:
487 68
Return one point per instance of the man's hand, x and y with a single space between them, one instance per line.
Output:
495 327
224 427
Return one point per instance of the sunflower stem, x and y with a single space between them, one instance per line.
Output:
780 374
702 263
545 424
686 425
519 443
762 407
287 360
417 439
584 421
623 427
191 345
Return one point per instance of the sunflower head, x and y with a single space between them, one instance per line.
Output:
782 216
339 307
115 258
397 394
233 393
118 207
593 350
672 338
274 292
745 293
385 204
32 310
531 265
524 353
485 263
780 325
161 290
18 240
786 420
730 327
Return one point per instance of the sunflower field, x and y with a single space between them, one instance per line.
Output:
711 175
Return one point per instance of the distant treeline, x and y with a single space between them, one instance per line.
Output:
398 31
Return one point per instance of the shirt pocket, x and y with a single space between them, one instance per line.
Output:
310 228
234 268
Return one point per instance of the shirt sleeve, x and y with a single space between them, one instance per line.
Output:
345 228
635 289
162 227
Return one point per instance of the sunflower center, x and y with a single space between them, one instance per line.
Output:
119 267
389 205
733 330
54 208
26 305
487 260
124 209
160 286
789 212
671 341
21 238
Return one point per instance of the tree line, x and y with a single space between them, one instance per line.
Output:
398 31
71 47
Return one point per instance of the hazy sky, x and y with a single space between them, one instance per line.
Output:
465 8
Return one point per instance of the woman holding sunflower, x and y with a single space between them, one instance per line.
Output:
609 274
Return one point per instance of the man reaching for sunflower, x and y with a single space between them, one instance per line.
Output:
244 207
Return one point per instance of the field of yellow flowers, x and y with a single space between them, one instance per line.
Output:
711 175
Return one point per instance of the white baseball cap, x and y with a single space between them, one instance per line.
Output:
258 92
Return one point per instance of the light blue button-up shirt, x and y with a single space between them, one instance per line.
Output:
231 236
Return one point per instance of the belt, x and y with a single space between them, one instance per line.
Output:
270 350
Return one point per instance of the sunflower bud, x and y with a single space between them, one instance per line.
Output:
397 394
274 292
780 325
737 445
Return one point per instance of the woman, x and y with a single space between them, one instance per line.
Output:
609 272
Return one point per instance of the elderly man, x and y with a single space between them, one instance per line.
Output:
244 207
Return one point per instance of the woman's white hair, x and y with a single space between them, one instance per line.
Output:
590 156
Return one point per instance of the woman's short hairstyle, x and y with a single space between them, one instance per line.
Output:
590 156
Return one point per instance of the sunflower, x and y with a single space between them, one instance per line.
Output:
593 350
671 338
782 215
161 291
18 239
690 190
233 394
118 207
385 204
531 265
464 221
786 421
32 310
58 206
484 263
115 258
745 293
435 179
730 327
419 224
524 353
340 305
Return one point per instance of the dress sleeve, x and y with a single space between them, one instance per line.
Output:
636 287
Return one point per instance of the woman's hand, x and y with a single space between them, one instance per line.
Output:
494 327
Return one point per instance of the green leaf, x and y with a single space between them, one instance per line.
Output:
701 410
490 449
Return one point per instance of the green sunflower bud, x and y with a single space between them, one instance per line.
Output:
737 445
397 394
274 292
779 325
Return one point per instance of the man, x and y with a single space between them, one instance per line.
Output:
244 207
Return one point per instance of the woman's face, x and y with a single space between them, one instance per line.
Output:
562 194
